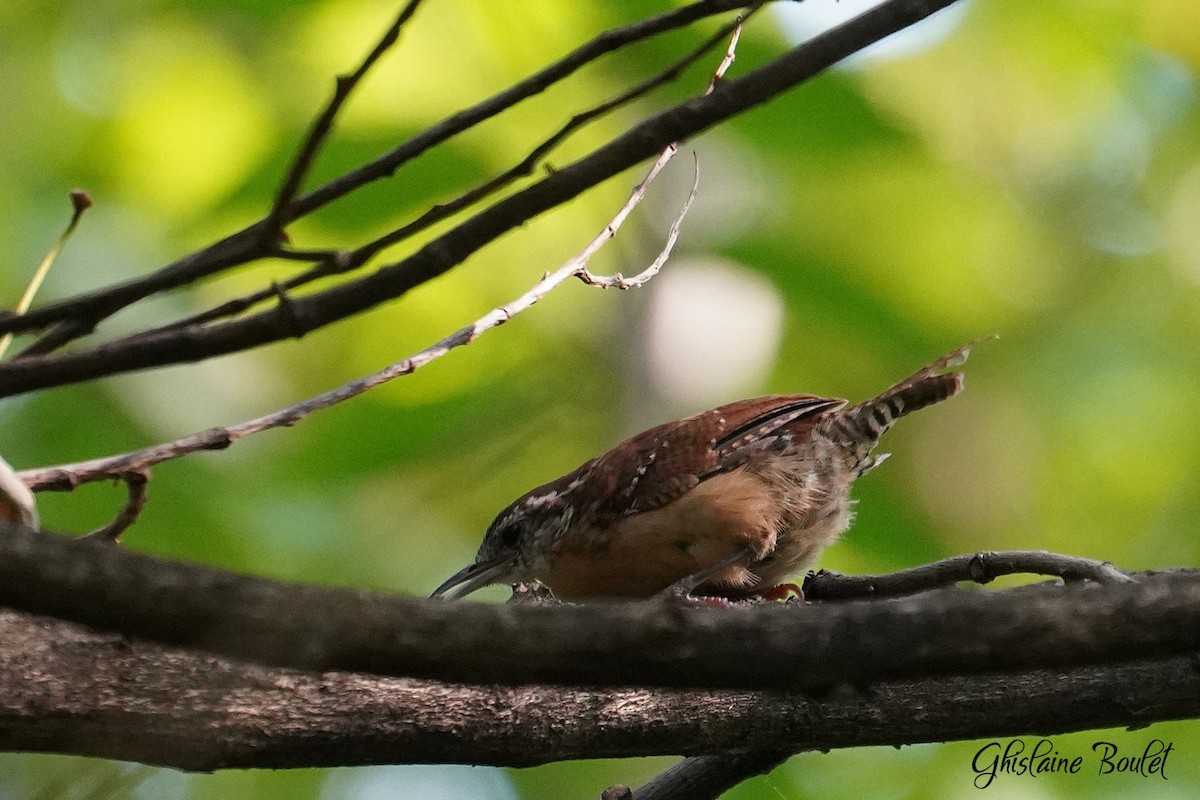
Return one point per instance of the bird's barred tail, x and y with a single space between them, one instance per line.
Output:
858 429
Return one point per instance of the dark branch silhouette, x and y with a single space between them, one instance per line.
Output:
68 689
84 312
322 127
339 262
796 646
301 315
65 477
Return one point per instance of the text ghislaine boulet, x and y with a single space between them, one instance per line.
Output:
1105 758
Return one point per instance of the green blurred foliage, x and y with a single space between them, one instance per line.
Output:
1034 172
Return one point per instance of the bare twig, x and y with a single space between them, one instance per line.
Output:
269 230
135 483
978 567
64 477
605 43
450 249
323 125
80 202
331 262
81 314
58 336
709 777
340 262
529 162
618 281
291 254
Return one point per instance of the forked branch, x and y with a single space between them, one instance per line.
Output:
79 315
314 311
64 477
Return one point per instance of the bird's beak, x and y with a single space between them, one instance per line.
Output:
473 576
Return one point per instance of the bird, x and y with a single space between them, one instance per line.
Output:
726 503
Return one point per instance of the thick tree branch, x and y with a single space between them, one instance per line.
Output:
796 646
312 312
67 689
705 777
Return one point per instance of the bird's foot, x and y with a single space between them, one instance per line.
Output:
681 591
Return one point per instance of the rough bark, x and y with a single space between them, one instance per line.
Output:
67 689
796 646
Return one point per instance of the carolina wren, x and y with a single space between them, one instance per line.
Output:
725 501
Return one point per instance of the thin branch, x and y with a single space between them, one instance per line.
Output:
530 161
58 336
76 317
442 254
64 477
323 125
607 42
82 313
709 777
291 254
618 281
332 262
135 484
977 567
341 262
80 202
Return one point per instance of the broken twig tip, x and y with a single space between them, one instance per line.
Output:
80 200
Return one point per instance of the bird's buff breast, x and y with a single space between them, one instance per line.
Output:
786 513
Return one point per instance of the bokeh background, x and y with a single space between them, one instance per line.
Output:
1022 167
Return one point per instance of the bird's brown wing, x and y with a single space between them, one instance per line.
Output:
662 464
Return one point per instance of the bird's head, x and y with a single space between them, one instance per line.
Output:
519 542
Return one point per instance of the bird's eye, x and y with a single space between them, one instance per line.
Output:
509 535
